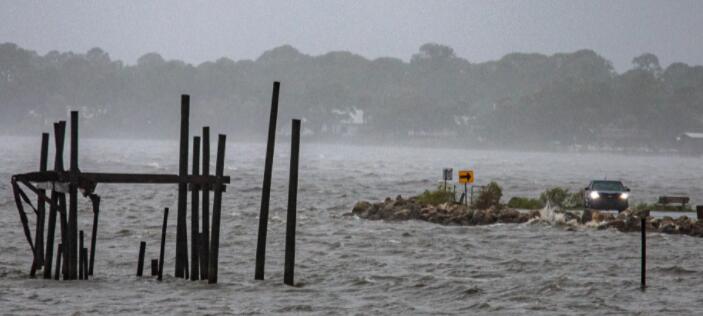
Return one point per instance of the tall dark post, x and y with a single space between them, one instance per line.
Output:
289 266
140 259
51 227
59 251
96 211
163 245
266 188
205 232
216 208
194 264
154 267
81 272
72 252
644 252
181 235
41 207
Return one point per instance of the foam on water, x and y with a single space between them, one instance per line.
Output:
349 265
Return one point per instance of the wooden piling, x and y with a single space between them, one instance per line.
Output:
93 237
289 266
266 187
154 267
140 260
216 208
81 272
699 212
205 231
41 208
59 251
72 248
644 252
181 236
84 251
194 222
163 245
51 227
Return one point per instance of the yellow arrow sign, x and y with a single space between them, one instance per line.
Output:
466 176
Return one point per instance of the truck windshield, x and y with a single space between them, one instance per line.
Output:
608 186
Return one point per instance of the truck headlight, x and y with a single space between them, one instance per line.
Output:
594 195
624 196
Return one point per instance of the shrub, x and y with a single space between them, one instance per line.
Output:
562 198
436 197
525 203
488 197
556 196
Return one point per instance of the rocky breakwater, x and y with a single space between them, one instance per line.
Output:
400 209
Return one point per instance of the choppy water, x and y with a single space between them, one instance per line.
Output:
349 265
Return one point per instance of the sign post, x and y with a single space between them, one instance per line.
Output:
447 172
466 177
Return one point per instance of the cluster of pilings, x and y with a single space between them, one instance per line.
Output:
74 261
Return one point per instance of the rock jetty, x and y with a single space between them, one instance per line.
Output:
400 209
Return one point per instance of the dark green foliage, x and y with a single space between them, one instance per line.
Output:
562 198
436 197
525 203
521 99
488 197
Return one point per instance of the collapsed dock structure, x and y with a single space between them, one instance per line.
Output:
59 190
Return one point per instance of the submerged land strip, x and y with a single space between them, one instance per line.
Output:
447 213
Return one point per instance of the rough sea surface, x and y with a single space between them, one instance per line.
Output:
345 265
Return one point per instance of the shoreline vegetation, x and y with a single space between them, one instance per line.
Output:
440 207
572 101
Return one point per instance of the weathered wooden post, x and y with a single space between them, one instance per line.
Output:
154 267
59 251
84 262
181 235
96 211
51 227
140 261
699 212
163 245
644 252
205 232
81 272
41 210
194 264
72 252
289 266
216 208
266 188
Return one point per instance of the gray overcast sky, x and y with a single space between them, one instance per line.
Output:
197 31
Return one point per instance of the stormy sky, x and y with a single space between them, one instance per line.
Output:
196 31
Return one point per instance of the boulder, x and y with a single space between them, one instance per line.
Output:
361 209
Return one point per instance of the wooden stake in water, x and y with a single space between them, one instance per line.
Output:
41 208
266 188
93 238
140 261
195 203
216 209
289 265
181 235
59 251
163 245
81 272
205 232
51 227
72 248
644 252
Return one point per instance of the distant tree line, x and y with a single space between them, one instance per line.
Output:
522 99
